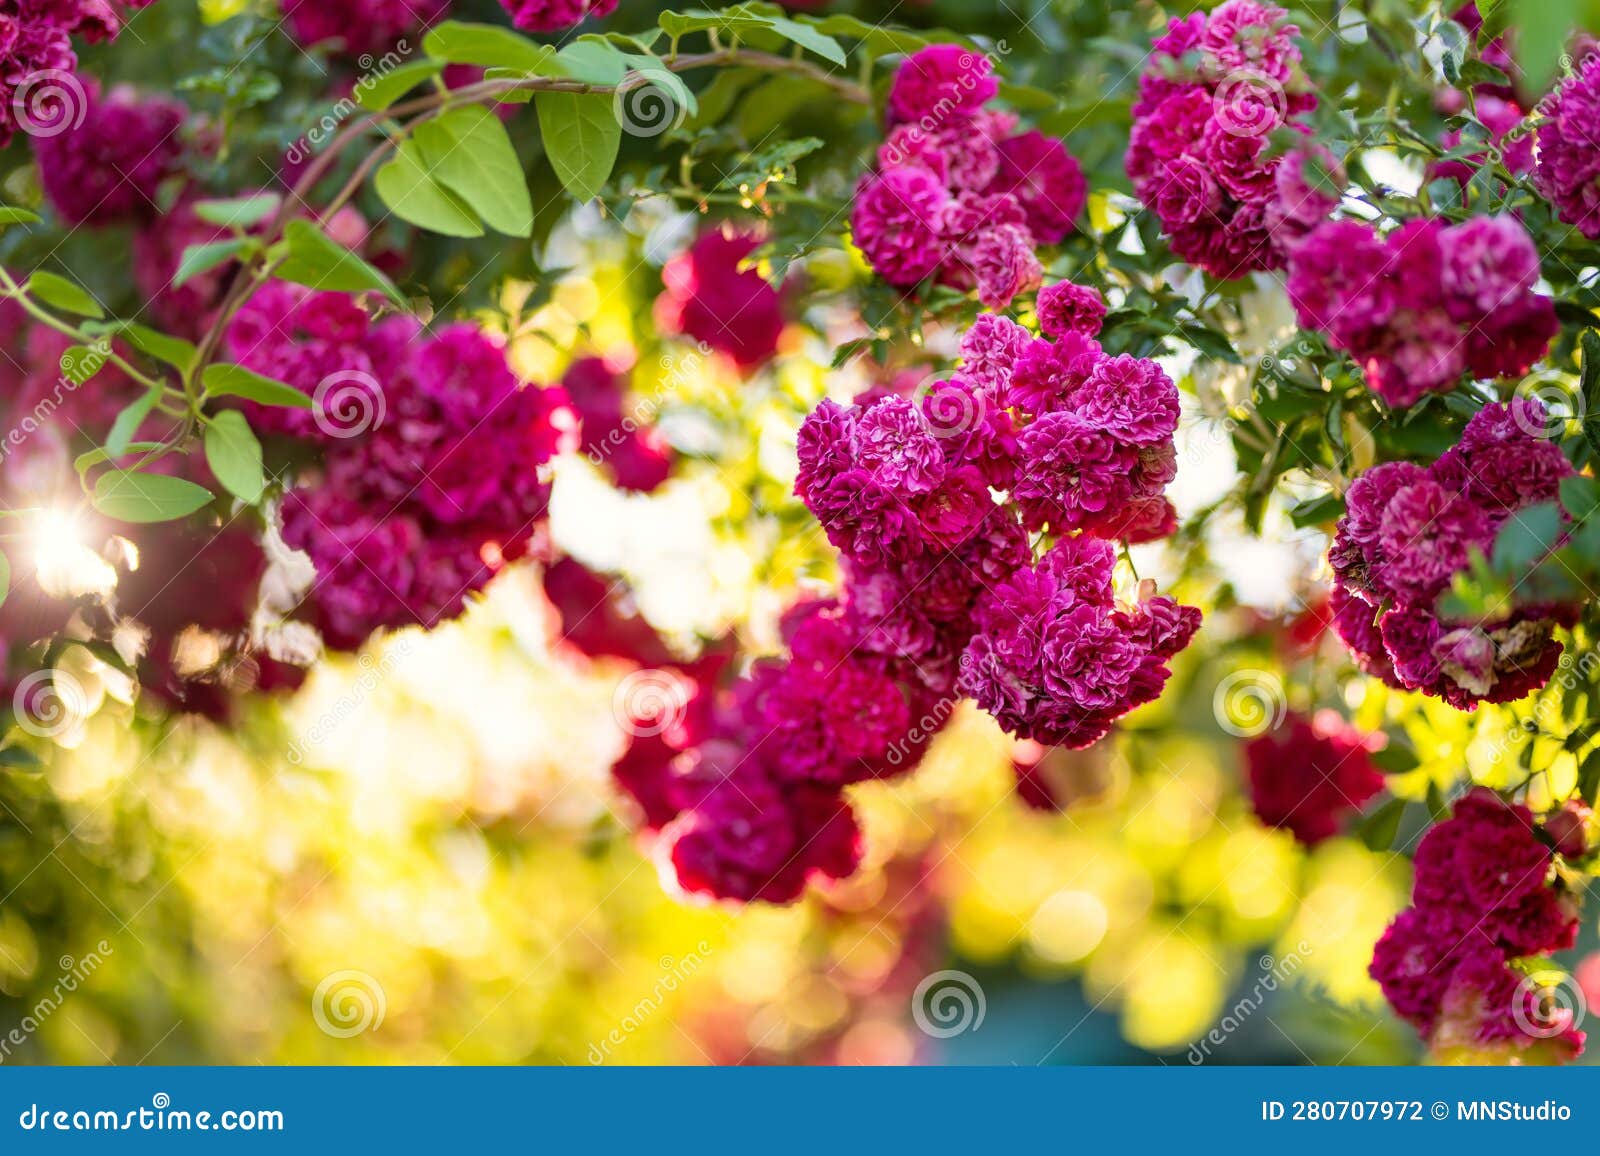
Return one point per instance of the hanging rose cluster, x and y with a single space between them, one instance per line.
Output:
431 455
1427 303
1484 896
960 195
942 598
1217 86
1410 529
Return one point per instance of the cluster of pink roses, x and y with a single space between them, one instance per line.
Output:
431 456
959 194
1427 303
1408 530
1217 86
1483 897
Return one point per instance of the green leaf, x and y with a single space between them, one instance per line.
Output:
376 93
225 380
5 577
1542 29
19 759
468 151
63 294
581 138
234 455
128 496
805 35
197 259
879 40
1589 387
1209 342
238 212
10 215
595 60
1589 777
91 458
1379 829
1579 496
1395 759
319 262
129 420
490 46
1316 511
173 351
1527 536
407 187
79 363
